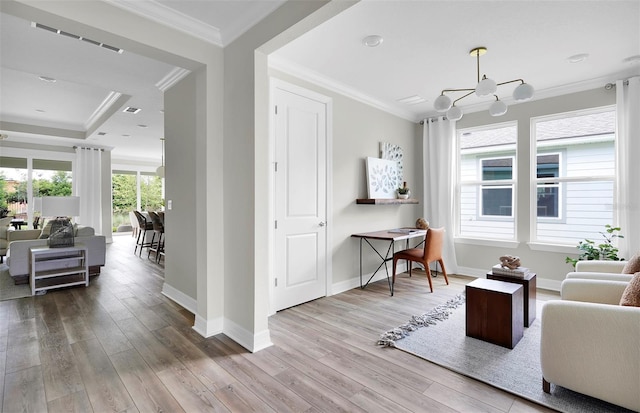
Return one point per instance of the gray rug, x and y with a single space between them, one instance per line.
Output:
8 289
439 337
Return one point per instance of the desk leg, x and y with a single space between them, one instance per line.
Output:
361 286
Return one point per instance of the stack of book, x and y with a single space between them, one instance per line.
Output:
519 272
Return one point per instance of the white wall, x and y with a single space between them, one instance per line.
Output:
548 262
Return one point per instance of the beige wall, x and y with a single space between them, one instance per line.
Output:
475 259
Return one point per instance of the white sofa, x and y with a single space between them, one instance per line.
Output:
21 241
589 343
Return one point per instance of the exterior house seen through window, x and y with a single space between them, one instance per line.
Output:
575 163
571 182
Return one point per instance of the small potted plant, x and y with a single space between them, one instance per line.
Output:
403 191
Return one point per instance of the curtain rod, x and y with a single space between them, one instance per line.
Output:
83 147
431 119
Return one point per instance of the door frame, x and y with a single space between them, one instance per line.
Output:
275 83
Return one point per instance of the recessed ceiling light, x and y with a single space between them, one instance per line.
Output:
143 126
576 58
632 59
40 110
373 40
47 79
126 136
102 133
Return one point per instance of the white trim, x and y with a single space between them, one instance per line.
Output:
207 328
252 342
180 298
547 247
105 105
318 79
169 17
487 242
171 78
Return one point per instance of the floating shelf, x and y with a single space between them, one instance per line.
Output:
381 201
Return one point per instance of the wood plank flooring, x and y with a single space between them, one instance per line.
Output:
121 346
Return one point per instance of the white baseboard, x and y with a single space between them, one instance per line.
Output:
207 328
252 342
180 298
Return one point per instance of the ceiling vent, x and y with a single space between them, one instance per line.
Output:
129 109
75 36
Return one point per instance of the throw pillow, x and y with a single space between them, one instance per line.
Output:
633 265
631 294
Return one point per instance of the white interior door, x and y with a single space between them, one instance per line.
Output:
300 270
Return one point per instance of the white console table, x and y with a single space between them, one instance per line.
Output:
58 267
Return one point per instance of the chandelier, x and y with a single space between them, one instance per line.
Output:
484 87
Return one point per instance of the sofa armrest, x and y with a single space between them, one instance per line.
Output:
607 276
22 235
600 266
593 291
592 349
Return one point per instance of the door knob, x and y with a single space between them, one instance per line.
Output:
322 224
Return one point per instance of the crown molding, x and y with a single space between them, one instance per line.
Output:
173 77
103 108
258 11
318 79
167 16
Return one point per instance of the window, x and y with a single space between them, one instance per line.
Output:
574 183
548 166
486 188
497 200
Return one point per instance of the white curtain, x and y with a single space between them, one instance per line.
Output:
628 164
88 182
438 170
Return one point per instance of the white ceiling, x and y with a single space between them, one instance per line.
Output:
425 49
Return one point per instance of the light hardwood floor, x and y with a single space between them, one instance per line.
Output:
121 346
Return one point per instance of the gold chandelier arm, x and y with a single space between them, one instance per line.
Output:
462 97
457 90
511 81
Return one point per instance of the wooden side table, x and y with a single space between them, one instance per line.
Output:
494 312
529 285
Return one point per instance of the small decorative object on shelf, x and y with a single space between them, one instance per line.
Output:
403 191
421 223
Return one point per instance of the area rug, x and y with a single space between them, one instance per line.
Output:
8 289
439 337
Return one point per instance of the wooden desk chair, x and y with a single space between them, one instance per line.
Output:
431 252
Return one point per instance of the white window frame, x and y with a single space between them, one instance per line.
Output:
534 242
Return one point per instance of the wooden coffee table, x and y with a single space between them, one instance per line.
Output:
494 312
529 285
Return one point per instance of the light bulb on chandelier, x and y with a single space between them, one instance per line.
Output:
160 169
484 87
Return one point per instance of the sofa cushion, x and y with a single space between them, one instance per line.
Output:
631 295
82 231
633 265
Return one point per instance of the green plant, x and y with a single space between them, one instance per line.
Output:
589 250
403 190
